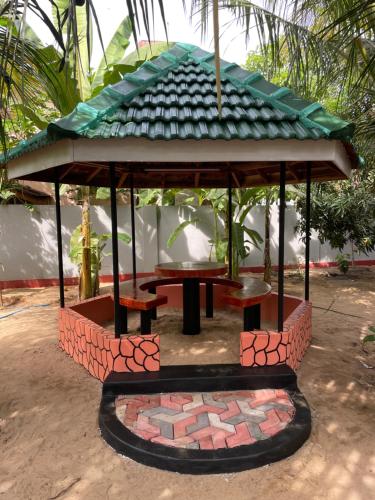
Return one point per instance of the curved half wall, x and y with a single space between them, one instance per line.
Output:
82 335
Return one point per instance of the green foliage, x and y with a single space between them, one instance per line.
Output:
146 52
113 74
258 62
158 197
102 193
342 212
6 192
32 115
79 54
114 51
53 88
243 238
172 238
370 338
342 260
97 245
149 197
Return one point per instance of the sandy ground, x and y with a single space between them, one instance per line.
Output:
50 446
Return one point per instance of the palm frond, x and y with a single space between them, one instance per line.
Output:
325 42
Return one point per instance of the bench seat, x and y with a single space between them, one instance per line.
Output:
134 297
252 292
244 292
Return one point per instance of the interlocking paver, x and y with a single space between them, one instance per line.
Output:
202 421
165 428
218 424
159 409
166 402
206 420
181 427
197 401
241 437
232 410
208 399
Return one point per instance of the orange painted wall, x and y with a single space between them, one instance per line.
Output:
96 348
83 337
269 347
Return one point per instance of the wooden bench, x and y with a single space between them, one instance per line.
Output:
245 292
140 295
134 297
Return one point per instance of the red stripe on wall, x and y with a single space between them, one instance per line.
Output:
43 282
107 278
313 265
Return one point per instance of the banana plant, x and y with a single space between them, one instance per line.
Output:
93 243
65 88
110 62
243 237
268 196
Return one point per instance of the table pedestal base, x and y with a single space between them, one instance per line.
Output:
191 309
124 319
251 317
146 317
209 300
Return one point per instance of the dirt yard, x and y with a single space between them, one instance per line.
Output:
50 446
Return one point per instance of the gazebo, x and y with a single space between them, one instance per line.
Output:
159 127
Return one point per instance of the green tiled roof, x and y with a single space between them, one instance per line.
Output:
174 97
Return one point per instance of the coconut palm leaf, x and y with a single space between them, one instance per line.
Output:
328 41
75 20
70 23
141 13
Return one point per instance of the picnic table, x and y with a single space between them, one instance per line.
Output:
191 274
244 292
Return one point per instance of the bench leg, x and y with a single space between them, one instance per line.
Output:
124 319
146 322
209 300
191 303
251 317
154 314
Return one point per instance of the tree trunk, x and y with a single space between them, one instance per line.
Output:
267 246
85 285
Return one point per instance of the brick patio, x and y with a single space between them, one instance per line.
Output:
209 420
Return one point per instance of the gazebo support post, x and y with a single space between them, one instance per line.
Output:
230 215
209 300
308 236
120 319
59 244
280 315
134 257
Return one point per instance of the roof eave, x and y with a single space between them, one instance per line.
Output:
66 152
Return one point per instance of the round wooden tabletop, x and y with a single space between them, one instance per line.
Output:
253 291
190 269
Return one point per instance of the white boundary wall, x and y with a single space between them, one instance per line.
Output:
28 248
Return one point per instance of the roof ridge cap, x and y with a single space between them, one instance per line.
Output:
86 114
248 79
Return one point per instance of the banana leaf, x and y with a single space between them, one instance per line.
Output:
32 116
79 59
179 229
114 51
147 51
